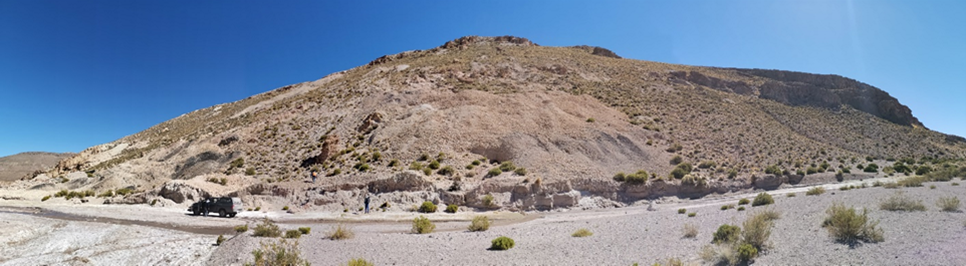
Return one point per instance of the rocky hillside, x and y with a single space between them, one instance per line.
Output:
561 122
28 164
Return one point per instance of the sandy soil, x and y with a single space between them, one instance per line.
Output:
65 233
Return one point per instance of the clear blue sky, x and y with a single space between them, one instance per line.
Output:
74 74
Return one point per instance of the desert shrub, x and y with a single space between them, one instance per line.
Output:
922 170
293 234
258 208
815 191
948 204
416 166
847 226
238 163
725 254
241 228
811 170
427 207
221 239
757 229
690 230
747 252
694 180
676 160
488 201
582 232
480 223
637 178
954 184
732 173
871 168
620 177
914 181
452 208
501 243
124 191
773 170
45 198
340 232
422 225
844 188
727 206
762 199
105 194
692 214
520 171
900 202
707 164
267 229
394 163
305 230
434 164
932 186
360 262
681 169
741 208
791 195
446 170
285 208
494 172
799 172
154 201
682 211
278 253
727 234
890 185
507 166
743 201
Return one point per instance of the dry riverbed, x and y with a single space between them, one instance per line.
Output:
59 232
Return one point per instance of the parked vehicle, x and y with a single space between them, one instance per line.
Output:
223 206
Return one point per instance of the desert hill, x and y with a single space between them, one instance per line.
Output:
28 164
561 122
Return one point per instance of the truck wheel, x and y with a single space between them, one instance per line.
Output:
231 215
196 212
221 213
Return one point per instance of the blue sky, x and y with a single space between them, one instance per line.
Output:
74 74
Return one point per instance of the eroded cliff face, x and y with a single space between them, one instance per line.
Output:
439 123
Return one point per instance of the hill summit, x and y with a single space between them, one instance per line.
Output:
533 127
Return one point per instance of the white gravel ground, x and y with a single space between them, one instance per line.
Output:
622 236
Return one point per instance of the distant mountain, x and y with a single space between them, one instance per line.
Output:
572 117
15 167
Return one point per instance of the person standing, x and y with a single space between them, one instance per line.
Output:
367 202
314 176
206 205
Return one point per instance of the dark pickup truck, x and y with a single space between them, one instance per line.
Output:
223 206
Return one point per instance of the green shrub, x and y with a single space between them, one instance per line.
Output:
305 230
682 211
520 171
452 208
680 170
743 201
845 225
692 214
620 177
742 208
360 262
707 164
727 206
871 168
815 191
241 228
948 204
726 234
747 252
488 201
890 185
340 232
922 170
427 207
221 239
773 170
480 223
394 163
811 170
258 208
844 188
278 253
494 172
45 198
422 225
791 195
676 160
900 202
501 243
238 163
762 199
293 234
285 208
267 229
434 164
954 184
446 171
582 232
507 166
